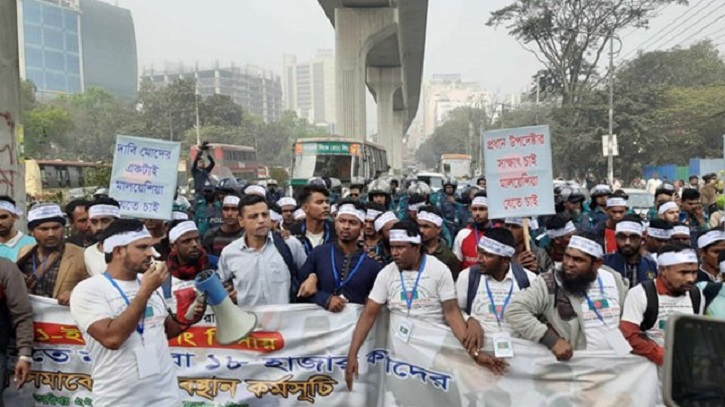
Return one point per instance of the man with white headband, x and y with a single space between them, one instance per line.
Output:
714 293
657 234
681 234
617 207
663 195
559 230
383 223
317 228
415 286
53 267
465 245
628 260
430 224
709 245
371 237
526 258
11 239
415 202
124 321
340 272
102 212
575 307
649 304
216 239
287 206
668 211
485 290
188 257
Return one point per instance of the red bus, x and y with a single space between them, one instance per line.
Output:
239 161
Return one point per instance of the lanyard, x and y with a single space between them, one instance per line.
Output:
499 318
142 322
475 229
591 304
338 285
409 295
42 266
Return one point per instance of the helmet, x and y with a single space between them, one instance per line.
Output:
379 186
576 196
600 190
319 181
357 182
272 181
419 187
229 186
450 181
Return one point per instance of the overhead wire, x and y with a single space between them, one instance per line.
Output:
696 9
686 29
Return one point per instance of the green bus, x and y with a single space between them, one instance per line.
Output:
336 157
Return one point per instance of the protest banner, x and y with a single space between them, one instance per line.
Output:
298 355
144 176
518 172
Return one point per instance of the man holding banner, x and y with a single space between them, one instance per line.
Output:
125 323
415 284
575 307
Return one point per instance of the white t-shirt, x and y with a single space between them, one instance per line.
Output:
481 308
606 300
434 287
95 260
315 239
115 372
636 303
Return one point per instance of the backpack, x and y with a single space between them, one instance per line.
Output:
286 254
474 279
653 305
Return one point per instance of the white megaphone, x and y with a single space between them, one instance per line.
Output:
232 324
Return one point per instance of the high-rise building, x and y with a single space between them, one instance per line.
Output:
309 87
67 46
258 91
109 48
50 45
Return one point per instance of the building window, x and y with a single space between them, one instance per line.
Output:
52 16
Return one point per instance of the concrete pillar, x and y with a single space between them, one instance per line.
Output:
385 82
356 31
12 180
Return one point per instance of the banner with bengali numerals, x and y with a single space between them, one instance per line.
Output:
297 356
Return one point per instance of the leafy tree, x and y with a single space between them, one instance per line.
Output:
47 131
570 36
453 136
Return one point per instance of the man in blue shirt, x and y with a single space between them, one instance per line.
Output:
340 272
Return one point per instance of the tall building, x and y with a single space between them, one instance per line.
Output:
258 91
67 46
309 88
444 93
109 48
50 45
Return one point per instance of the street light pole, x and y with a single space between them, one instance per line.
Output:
610 137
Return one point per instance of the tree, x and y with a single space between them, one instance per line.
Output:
453 136
47 131
570 35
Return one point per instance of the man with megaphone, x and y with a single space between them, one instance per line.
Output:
124 320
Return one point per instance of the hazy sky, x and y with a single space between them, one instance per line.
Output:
259 32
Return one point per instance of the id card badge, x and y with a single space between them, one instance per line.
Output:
503 346
146 360
403 330
617 341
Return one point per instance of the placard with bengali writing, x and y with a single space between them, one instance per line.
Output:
144 175
518 172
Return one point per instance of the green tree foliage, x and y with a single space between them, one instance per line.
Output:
453 136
